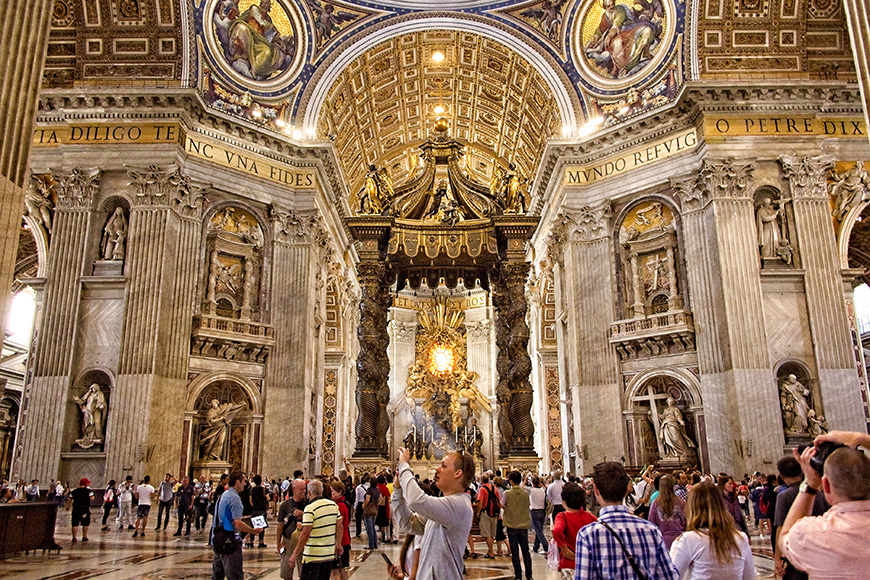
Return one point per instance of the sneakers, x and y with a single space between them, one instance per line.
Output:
85 539
74 540
136 534
177 534
105 528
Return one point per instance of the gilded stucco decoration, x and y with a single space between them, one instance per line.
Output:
384 104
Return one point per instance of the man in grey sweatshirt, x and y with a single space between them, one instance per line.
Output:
448 518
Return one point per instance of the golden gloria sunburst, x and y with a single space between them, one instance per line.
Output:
441 359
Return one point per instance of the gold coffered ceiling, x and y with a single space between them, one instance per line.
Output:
383 105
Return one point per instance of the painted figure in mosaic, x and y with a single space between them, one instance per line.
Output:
624 40
214 433
673 431
794 398
93 407
549 16
251 42
326 20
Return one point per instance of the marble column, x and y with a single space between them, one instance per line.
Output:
858 18
373 365
587 293
54 349
740 399
832 345
161 270
291 366
23 44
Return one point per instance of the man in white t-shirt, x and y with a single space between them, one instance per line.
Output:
144 493
554 493
125 503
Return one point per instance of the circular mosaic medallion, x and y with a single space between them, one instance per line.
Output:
258 44
617 41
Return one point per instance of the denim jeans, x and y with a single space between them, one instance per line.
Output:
228 566
165 507
538 517
519 540
372 533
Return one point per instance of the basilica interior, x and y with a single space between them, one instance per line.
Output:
301 234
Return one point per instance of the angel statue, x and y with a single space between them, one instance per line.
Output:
508 189
377 192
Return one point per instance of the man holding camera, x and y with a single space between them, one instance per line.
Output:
832 545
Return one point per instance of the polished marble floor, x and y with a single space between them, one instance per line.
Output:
116 555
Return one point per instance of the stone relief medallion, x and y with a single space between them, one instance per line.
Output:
618 43
257 44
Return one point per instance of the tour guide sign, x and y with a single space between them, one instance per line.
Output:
194 145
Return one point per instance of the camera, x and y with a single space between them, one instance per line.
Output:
823 451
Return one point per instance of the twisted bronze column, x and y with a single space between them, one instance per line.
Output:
373 365
514 366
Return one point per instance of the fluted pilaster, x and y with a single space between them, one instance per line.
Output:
829 324
291 365
724 278
25 25
582 282
54 350
858 17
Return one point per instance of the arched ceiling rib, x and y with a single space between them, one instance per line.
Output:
383 104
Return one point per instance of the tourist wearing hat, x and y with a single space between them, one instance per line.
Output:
81 508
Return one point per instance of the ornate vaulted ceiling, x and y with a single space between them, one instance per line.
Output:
361 71
386 101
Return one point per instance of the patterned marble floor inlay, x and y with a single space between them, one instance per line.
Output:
115 555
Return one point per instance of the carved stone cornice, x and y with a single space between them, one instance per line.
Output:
165 186
727 178
807 176
79 188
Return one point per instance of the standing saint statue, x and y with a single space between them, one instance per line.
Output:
793 397
93 407
772 243
115 236
214 433
673 432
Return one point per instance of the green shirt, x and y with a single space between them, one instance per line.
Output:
516 509
321 515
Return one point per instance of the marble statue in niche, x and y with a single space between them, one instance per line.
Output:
773 243
794 398
673 432
114 243
214 433
93 408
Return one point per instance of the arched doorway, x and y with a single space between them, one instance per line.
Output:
222 426
665 420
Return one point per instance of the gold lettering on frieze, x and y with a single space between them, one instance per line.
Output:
249 163
102 134
783 126
656 151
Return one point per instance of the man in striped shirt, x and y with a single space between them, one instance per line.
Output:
320 540
599 554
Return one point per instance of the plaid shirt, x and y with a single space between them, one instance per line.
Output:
599 554
681 492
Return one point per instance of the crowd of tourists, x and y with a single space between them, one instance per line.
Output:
815 511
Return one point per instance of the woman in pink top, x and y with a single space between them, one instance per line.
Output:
568 523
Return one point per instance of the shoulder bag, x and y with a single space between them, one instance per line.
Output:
371 509
631 560
223 542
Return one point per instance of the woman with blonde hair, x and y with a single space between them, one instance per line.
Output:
668 511
711 548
